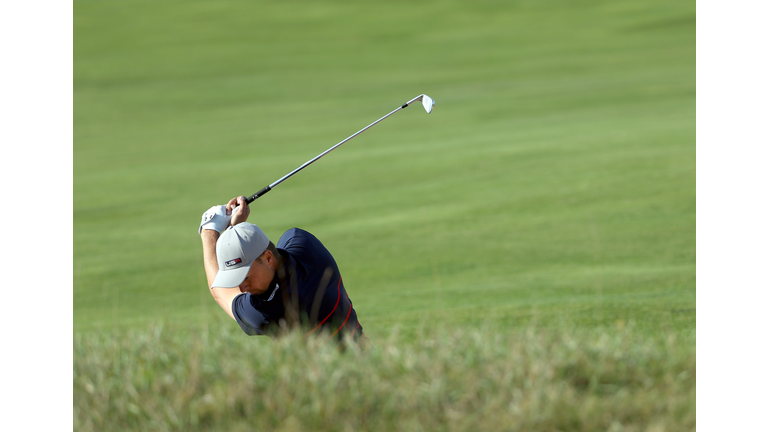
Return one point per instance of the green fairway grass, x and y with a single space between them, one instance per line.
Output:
554 182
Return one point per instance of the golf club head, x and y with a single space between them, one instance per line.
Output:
428 103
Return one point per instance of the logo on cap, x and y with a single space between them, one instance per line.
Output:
230 263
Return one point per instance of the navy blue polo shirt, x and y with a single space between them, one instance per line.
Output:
310 291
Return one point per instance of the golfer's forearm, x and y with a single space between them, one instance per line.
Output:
209 238
223 296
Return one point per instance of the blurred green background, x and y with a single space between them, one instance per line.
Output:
553 182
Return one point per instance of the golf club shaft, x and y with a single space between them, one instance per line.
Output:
258 194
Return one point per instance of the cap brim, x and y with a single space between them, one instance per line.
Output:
231 278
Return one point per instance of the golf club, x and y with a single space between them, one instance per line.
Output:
426 101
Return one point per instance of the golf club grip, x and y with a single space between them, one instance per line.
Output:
253 197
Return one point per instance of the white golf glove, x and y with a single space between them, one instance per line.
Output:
215 218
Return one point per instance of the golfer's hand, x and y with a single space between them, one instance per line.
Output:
215 218
238 209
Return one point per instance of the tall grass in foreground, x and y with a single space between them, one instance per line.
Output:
480 379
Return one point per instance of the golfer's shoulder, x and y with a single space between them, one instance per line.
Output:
297 241
297 238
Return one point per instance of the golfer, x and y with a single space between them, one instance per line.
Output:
268 288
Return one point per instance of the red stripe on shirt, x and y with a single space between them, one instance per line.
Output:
338 297
349 312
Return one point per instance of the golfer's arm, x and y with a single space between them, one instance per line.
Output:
223 296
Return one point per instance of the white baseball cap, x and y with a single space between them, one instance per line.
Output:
236 250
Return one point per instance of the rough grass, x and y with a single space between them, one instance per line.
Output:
485 378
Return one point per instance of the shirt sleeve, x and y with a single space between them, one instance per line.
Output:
250 319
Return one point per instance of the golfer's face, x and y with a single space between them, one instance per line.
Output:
259 277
